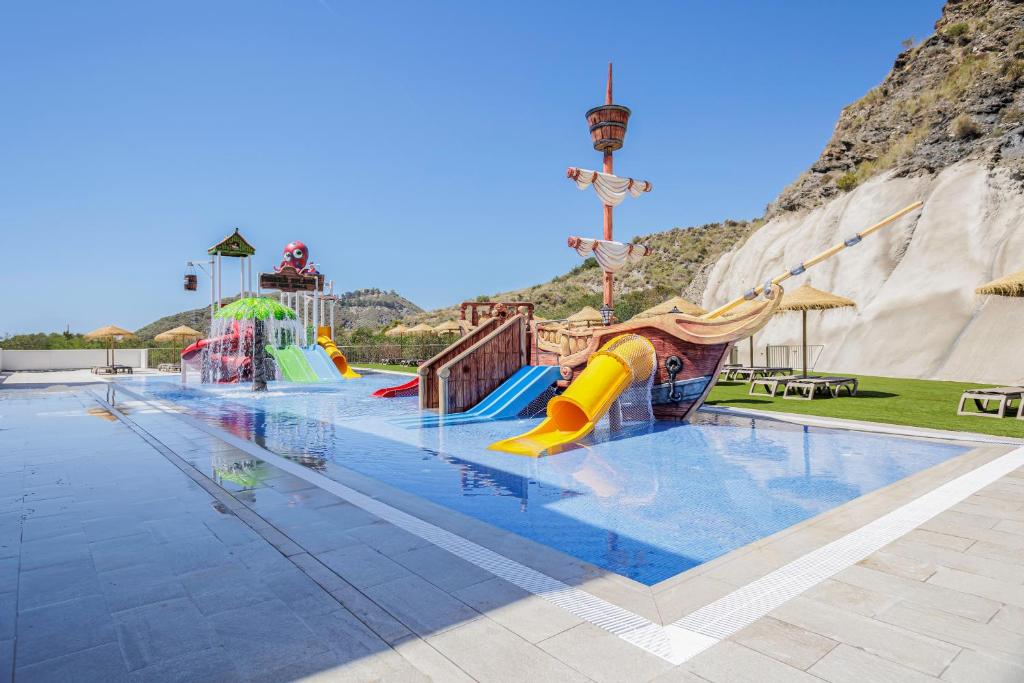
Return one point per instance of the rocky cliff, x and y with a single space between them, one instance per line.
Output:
946 127
957 95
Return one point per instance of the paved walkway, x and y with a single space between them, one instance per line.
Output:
148 550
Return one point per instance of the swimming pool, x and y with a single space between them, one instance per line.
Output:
647 505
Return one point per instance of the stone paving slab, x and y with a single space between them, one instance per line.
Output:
180 578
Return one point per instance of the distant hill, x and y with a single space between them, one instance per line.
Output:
679 262
359 308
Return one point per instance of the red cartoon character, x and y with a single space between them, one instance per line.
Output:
296 255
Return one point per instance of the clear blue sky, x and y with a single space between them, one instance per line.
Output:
419 146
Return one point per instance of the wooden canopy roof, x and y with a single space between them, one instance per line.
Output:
232 245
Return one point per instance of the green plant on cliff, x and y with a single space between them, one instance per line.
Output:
847 182
954 31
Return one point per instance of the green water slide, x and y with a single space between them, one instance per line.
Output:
292 363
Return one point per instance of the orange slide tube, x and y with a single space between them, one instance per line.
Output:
323 338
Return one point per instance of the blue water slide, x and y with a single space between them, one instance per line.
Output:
323 366
506 402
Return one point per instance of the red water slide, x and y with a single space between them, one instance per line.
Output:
221 350
408 389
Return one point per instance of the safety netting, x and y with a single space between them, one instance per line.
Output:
632 410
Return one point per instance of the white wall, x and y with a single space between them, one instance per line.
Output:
917 314
69 359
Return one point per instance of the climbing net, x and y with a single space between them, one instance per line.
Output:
633 406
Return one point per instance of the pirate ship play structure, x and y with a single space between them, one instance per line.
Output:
668 362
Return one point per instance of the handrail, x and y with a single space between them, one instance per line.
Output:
425 369
445 371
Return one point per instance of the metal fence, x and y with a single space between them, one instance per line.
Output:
164 355
411 354
787 356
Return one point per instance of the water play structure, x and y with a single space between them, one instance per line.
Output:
256 338
688 350
661 365
626 359
410 388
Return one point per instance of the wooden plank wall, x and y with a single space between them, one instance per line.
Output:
491 362
429 389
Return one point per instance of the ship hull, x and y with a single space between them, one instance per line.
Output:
690 352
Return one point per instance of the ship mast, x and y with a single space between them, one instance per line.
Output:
608 307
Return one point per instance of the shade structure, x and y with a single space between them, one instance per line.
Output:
588 315
676 304
110 333
256 308
396 331
807 298
448 327
422 328
1009 285
178 334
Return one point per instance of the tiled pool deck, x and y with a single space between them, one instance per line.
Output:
122 558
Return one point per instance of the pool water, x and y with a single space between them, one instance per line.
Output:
647 503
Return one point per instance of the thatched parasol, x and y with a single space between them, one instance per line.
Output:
396 331
422 328
448 327
110 333
585 317
177 336
807 298
678 303
1009 285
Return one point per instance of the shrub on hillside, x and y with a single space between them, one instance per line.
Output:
956 31
965 128
847 182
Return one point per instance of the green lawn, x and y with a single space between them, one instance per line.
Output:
381 366
915 402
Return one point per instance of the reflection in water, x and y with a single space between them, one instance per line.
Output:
647 504
309 438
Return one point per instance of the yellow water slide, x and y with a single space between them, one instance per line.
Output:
323 338
573 414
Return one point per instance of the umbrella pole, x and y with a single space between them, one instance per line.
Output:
804 316
751 350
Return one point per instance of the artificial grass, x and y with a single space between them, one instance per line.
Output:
913 402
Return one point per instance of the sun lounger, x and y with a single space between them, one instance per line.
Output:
729 367
770 384
112 370
806 388
1003 396
748 373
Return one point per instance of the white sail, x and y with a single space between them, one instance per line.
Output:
610 188
611 256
